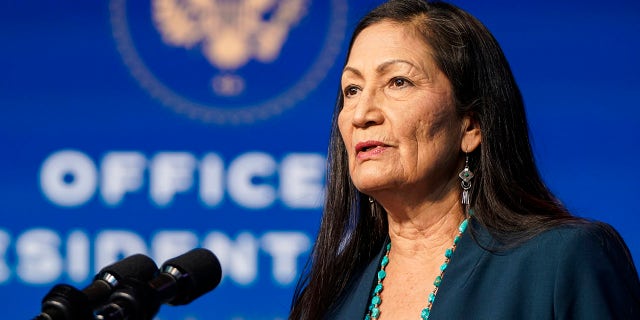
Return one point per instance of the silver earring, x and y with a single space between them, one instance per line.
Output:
372 206
466 175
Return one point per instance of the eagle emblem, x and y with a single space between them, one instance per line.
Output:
230 32
168 46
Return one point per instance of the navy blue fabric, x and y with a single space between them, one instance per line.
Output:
578 271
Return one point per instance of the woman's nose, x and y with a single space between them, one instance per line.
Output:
368 110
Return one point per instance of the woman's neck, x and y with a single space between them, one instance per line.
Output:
425 228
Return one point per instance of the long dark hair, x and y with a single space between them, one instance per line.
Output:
509 197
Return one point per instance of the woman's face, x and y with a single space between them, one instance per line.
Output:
399 122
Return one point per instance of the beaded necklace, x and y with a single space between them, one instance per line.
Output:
374 307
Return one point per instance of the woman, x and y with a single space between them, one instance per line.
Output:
435 208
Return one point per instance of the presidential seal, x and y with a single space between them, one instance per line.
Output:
229 61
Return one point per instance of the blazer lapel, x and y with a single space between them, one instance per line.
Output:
355 301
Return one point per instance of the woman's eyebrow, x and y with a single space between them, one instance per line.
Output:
381 68
385 65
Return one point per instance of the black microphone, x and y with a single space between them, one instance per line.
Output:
64 302
180 281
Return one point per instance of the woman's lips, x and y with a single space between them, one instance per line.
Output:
368 149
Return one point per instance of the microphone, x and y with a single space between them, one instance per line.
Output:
180 281
192 274
64 302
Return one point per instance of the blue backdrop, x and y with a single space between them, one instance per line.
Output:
157 126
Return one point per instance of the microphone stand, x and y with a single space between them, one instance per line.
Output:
64 302
134 300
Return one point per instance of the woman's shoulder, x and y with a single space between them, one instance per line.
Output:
592 258
581 229
582 236
578 244
563 237
585 257
579 240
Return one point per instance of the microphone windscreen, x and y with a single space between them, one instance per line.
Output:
136 266
201 273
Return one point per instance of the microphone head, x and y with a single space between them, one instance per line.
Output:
200 272
136 266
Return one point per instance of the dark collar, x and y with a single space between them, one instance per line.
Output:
355 300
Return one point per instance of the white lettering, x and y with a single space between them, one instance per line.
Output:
285 248
211 180
68 178
121 172
78 256
113 245
168 244
5 240
242 172
39 259
301 180
239 259
171 173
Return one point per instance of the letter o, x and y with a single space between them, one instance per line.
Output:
68 163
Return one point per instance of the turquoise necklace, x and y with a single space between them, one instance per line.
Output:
374 307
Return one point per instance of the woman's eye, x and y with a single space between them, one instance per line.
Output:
399 82
350 91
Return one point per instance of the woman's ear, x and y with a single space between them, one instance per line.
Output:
471 134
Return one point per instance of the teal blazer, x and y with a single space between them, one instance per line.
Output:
577 271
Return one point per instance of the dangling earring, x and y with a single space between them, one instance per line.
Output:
372 205
466 175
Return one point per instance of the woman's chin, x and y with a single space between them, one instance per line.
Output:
372 186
